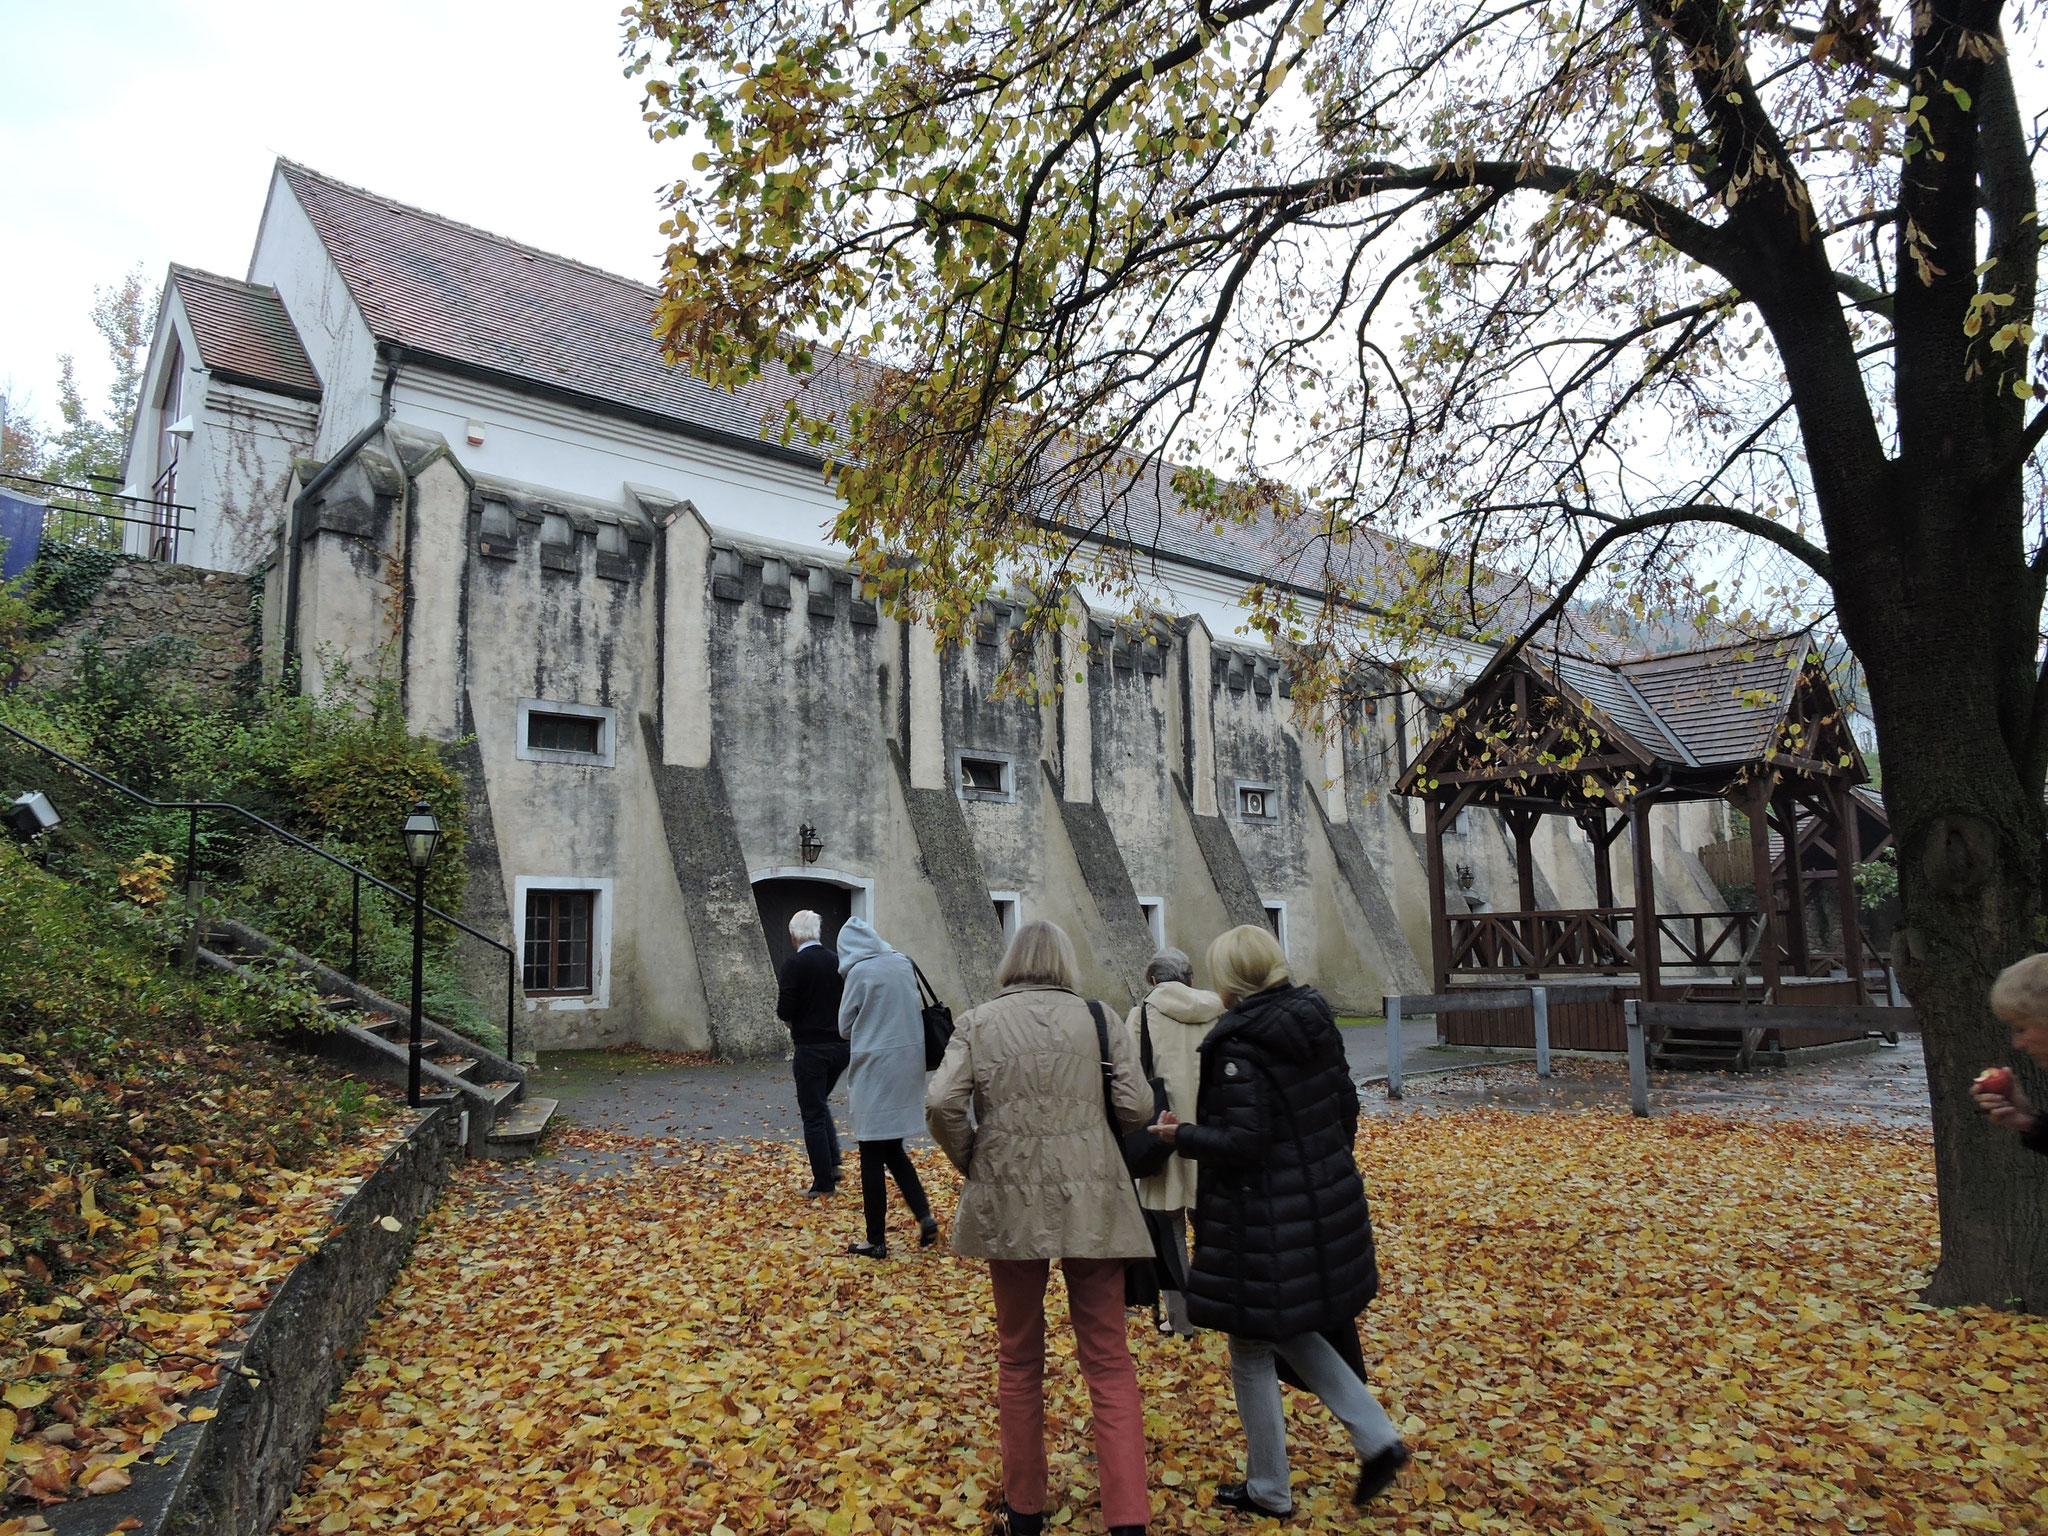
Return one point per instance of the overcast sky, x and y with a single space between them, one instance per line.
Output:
145 132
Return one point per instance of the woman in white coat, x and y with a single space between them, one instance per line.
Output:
1167 1030
883 1025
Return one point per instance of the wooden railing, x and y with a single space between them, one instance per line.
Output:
1514 943
1595 940
1706 938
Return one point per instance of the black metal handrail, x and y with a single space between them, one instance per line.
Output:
74 499
358 874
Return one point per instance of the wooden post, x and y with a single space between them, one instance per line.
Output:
1603 857
1638 1060
1394 1047
1795 882
1439 914
1649 943
1842 800
1758 810
1522 823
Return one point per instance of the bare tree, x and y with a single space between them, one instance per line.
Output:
1577 292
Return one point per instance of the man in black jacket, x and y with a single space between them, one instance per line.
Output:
808 1002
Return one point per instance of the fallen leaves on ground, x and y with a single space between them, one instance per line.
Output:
162 1166
1588 1323
94 1376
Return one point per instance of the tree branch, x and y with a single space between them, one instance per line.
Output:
1876 300
1811 555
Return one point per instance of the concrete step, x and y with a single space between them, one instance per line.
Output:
518 1134
502 1094
455 1066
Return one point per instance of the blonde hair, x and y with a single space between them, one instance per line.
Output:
1040 955
2021 991
1246 960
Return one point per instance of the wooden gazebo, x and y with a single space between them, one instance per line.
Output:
1603 742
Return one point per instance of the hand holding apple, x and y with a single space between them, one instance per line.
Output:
1999 1095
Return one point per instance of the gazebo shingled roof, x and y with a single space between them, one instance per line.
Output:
1537 734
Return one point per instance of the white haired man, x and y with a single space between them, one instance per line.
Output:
808 1002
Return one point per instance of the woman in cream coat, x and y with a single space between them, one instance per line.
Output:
1045 1181
1177 1016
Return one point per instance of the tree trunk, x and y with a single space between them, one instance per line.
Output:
1969 835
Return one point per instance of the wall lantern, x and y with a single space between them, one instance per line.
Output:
1464 877
31 816
807 843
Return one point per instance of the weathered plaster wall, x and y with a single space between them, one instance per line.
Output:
142 601
234 471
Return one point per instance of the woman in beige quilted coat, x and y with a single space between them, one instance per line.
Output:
1046 1181
1175 1017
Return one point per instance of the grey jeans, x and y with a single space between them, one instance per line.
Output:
1257 1384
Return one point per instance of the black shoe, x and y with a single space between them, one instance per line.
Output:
1377 1475
869 1250
1236 1496
820 1191
927 1232
1010 1523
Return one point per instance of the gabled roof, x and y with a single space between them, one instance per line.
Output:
489 306
1693 723
244 334
474 302
1723 703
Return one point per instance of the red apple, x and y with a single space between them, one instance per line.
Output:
1996 1080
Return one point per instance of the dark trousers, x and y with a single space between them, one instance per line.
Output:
817 1069
879 1159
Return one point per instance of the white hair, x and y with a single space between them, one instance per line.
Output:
805 927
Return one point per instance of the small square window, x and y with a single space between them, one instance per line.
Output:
1154 912
611 538
1006 904
555 529
1257 802
985 776
497 520
1276 919
564 733
557 943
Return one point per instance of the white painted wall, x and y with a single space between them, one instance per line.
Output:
291 259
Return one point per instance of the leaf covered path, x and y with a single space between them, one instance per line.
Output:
1588 1323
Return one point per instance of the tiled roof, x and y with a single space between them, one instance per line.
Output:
1608 690
1723 703
480 301
244 333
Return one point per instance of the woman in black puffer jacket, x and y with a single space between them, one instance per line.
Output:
1283 1240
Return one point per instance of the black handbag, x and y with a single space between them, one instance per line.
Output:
1143 1278
1144 1153
938 1021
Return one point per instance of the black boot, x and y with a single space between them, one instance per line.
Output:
1377 1475
1010 1523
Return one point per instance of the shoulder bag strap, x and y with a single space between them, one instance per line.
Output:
926 992
1145 1039
1108 1071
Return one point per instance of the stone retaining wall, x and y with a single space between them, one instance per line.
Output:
142 599
233 1474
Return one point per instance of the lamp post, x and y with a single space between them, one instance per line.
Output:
422 835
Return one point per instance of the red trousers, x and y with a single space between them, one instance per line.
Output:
1095 1300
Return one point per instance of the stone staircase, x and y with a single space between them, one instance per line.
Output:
372 1034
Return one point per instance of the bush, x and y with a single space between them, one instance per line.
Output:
340 771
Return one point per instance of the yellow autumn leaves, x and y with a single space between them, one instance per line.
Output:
1588 1324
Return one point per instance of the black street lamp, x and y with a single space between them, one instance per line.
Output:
422 835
